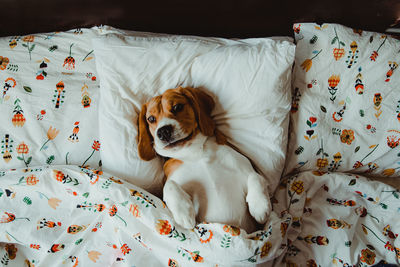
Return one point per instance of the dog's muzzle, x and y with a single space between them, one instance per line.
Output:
165 133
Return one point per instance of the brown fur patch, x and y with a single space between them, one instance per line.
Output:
170 166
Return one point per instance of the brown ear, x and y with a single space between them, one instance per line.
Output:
202 104
145 140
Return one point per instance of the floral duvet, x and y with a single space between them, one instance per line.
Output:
53 214
77 216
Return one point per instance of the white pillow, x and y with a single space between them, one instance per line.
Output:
248 79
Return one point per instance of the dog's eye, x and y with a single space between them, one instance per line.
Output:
176 108
151 119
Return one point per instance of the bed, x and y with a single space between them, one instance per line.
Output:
320 126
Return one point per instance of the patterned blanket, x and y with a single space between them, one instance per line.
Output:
75 216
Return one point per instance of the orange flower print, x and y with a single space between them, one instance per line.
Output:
29 39
333 82
367 256
18 120
389 172
347 136
125 249
32 180
53 202
338 52
3 62
393 141
69 62
22 150
375 53
234 231
265 249
93 255
163 227
11 251
113 212
9 217
96 147
307 64
51 134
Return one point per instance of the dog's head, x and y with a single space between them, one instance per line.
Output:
170 121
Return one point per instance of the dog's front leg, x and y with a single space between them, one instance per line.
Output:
180 204
258 198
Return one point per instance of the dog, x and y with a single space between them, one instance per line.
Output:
206 179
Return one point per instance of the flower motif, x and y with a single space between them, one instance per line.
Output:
311 263
307 64
347 136
22 148
31 180
234 231
265 249
322 240
297 187
53 202
321 163
393 141
96 145
3 62
113 210
163 227
338 53
389 172
284 227
125 249
367 256
389 246
69 61
373 56
52 133
94 255
18 120
357 165
361 211
29 38
337 157
333 81
11 251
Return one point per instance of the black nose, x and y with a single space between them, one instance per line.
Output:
165 132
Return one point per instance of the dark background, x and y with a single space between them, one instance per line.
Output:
225 18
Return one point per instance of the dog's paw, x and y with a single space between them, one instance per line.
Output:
180 205
260 210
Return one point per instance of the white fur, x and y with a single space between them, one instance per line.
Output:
213 184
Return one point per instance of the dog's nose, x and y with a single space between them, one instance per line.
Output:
165 133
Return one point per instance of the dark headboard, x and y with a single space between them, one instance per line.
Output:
225 18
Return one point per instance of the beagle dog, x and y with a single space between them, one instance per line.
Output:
206 180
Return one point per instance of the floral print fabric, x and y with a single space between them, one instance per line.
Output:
49 92
346 220
77 216
346 102
57 215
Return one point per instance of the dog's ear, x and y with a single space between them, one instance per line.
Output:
145 140
202 104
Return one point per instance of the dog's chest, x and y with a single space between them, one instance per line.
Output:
217 185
